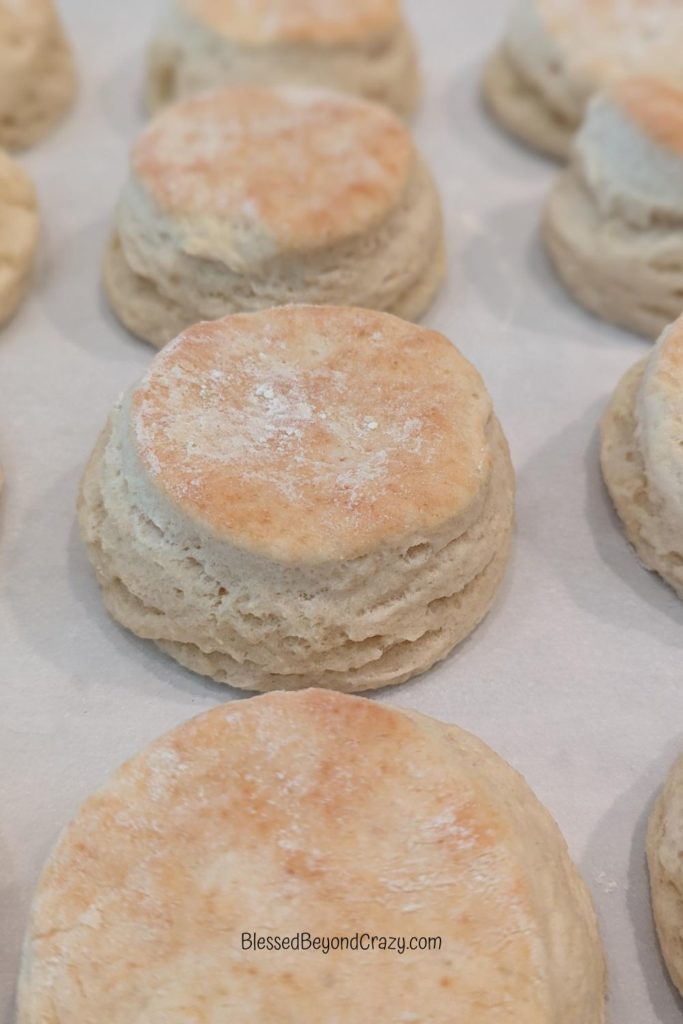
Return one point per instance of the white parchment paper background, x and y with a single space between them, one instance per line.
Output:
576 676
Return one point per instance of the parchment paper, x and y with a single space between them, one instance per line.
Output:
575 677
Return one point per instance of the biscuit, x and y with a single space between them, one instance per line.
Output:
642 459
323 815
37 74
515 104
614 222
19 229
359 46
303 496
243 199
556 54
665 860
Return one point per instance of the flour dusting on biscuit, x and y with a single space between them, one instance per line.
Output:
319 813
303 496
243 199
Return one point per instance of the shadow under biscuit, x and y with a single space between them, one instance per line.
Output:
5 483
616 551
122 96
73 298
548 503
621 890
455 670
507 263
74 631
473 124
76 634
130 650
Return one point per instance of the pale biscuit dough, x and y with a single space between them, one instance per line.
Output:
359 46
321 813
518 107
303 496
641 457
244 199
19 229
626 276
37 75
665 861
556 54
614 222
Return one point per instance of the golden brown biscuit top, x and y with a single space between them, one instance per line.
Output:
610 37
656 107
292 813
326 22
300 167
310 434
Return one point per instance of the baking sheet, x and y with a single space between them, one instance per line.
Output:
575 677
